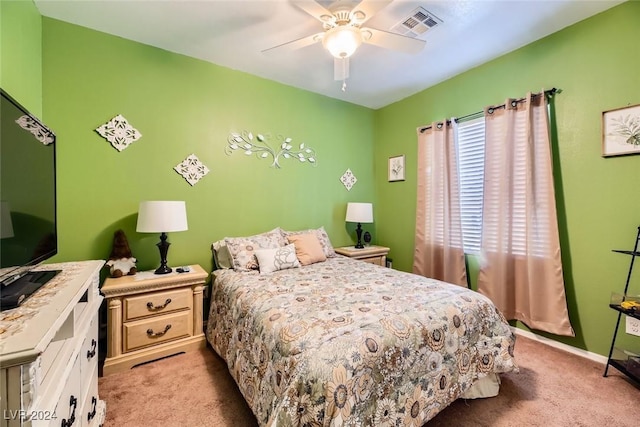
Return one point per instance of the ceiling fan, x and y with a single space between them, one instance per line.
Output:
343 32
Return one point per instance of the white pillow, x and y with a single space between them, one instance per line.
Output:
270 260
242 249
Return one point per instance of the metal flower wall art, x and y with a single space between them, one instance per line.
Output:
192 169
119 132
259 145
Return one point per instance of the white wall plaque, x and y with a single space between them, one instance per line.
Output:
348 179
119 132
192 169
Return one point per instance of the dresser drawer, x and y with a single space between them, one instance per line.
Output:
89 352
48 357
69 404
155 330
90 407
139 306
378 260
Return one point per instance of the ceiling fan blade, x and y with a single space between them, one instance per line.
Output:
340 68
392 41
295 44
315 9
365 10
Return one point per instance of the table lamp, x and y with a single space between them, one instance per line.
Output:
162 217
359 212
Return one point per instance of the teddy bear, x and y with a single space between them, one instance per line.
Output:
121 261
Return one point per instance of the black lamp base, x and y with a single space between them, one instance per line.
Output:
163 246
359 245
163 269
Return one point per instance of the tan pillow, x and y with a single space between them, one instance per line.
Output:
322 235
308 248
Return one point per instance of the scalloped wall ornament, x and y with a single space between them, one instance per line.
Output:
259 145
119 132
192 169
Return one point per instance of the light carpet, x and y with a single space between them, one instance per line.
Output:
553 388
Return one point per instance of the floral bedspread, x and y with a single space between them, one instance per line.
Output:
344 342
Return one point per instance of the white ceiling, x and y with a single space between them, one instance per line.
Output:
233 33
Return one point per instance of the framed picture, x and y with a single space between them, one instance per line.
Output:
621 131
396 168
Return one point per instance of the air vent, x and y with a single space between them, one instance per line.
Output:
416 24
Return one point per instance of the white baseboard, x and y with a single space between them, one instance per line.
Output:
574 350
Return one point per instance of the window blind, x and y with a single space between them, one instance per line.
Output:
471 171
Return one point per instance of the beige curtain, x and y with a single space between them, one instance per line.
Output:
438 247
521 269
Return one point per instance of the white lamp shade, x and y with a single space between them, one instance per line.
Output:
162 217
359 212
342 41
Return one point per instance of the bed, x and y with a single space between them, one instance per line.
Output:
344 342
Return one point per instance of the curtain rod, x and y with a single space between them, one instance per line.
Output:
477 114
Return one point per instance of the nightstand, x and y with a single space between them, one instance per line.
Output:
373 254
150 316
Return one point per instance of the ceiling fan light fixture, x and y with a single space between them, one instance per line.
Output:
342 41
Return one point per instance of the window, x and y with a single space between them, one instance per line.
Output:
470 140
471 165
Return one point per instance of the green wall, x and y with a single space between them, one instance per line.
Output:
21 53
595 63
185 106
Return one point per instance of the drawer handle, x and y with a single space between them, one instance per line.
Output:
158 334
73 403
92 414
92 352
160 307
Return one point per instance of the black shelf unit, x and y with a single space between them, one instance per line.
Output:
625 366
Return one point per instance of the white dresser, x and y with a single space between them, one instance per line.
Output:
49 352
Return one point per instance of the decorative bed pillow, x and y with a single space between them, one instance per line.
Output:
221 254
308 248
322 236
270 260
242 249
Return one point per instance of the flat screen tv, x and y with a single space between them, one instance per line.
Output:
27 201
